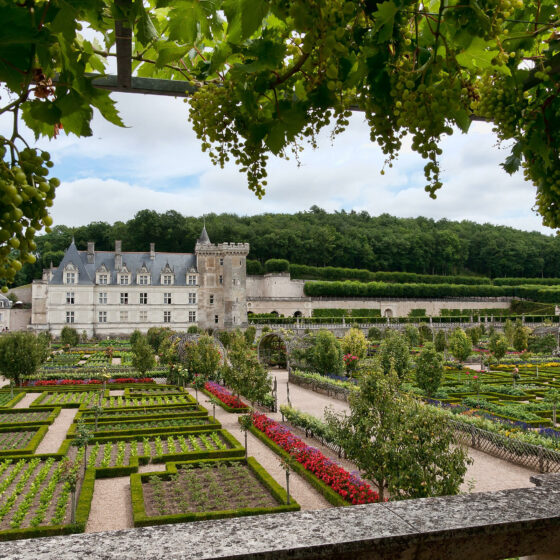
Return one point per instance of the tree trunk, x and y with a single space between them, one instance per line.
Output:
288 486
245 444
73 507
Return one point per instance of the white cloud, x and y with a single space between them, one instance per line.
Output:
151 164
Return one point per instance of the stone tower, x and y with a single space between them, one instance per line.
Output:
222 295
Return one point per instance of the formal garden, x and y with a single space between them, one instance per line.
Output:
132 419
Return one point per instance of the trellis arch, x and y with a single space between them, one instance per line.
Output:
291 342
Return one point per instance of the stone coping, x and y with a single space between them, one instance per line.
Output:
476 526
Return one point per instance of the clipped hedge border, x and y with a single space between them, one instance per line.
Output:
143 520
89 417
13 401
326 491
50 419
210 427
34 442
160 390
224 405
236 451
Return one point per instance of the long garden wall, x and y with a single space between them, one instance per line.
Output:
303 306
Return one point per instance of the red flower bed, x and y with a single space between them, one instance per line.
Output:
350 486
49 382
224 395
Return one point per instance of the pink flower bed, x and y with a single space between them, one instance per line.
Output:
350 486
224 395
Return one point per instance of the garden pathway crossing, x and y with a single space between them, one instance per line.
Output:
485 474
57 431
27 400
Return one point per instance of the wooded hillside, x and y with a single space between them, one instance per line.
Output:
319 238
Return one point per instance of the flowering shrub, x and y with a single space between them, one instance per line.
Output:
49 382
224 395
350 362
350 486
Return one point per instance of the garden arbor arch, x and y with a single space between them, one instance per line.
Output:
291 341
272 343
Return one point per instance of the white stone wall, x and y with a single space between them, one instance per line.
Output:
274 285
395 308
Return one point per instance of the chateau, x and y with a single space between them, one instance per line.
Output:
115 292
111 293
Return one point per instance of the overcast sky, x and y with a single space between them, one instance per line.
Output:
156 163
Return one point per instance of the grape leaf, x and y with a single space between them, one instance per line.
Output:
478 57
276 137
384 20
244 17
513 161
145 32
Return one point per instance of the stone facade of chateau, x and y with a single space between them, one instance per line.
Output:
111 293
108 293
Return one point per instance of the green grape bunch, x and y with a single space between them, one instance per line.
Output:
25 196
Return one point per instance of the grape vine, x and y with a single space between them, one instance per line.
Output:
272 74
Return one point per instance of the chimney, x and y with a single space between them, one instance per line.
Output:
118 255
91 252
152 251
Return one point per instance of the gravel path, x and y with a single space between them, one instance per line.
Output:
487 473
111 506
27 400
57 431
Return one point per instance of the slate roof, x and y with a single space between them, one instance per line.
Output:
180 263
204 238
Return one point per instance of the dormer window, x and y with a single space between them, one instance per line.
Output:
191 279
167 277
123 277
70 274
143 277
102 275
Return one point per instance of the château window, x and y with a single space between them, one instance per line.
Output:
124 280
167 279
221 279
103 298
124 298
192 316
167 316
124 316
102 279
143 316
143 298
191 280
211 299
69 316
167 298
70 298
192 297
221 261
143 279
216 319
70 277
102 316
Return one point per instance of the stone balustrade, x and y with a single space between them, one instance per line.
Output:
482 526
